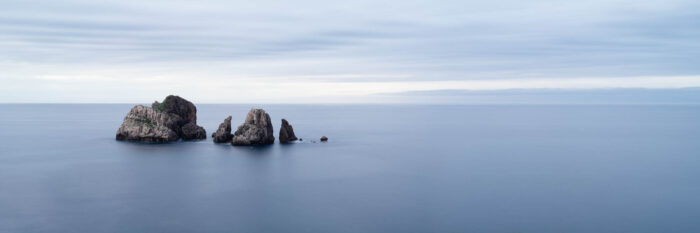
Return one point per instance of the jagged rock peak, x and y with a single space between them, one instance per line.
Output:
223 134
256 130
286 132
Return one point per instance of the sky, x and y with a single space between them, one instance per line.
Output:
212 51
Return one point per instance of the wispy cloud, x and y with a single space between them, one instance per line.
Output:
363 45
548 96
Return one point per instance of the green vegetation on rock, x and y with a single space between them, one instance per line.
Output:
160 107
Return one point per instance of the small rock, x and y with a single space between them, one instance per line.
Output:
324 138
287 132
223 134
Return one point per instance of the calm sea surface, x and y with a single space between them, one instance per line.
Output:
386 168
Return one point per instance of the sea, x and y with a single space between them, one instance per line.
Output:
385 168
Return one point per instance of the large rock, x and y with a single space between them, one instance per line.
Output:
287 132
169 121
147 125
256 130
223 134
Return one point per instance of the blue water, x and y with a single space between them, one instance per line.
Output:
386 168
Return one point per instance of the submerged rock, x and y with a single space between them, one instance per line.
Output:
324 138
169 121
256 130
223 134
287 132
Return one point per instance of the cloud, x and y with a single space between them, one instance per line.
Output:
360 44
319 89
549 96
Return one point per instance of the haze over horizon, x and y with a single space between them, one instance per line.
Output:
80 51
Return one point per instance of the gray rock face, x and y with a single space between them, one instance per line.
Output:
256 130
287 132
146 125
169 121
223 134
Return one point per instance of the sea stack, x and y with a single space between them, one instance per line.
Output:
256 130
287 132
223 134
169 121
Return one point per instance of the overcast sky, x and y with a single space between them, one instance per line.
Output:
346 51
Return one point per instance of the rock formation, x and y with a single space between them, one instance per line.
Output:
147 125
324 138
192 131
287 132
178 106
223 134
169 121
256 130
